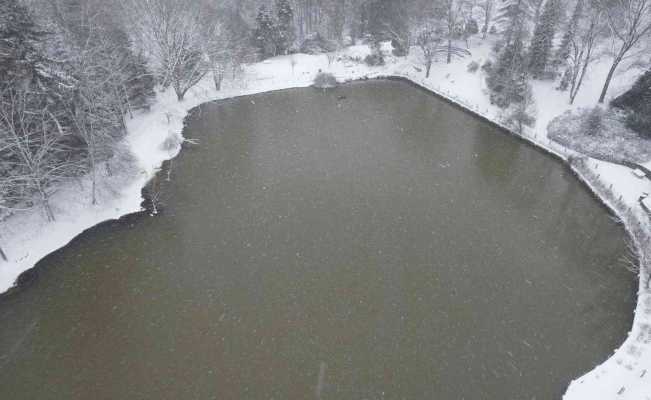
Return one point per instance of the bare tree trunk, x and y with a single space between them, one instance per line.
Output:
428 67
488 13
94 188
609 78
218 77
93 174
46 205
180 93
577 86
3 255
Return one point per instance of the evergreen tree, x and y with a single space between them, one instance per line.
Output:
523 113
285 29
563 51
337 17
265 33
512 17
510 66
21 60
543 38
386 20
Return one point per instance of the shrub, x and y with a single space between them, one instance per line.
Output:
324 80
524 112
375 58
472 28
317 44
639 123
473 67
594 122
487 67
637 103
519 118
399 49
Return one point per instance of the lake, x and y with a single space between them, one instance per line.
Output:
369 242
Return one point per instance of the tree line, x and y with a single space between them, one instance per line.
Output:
73 71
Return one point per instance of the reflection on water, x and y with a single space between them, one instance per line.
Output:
385 246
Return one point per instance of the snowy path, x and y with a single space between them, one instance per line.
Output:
155 136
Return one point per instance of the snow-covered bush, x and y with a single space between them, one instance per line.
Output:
472 28
523 114
594 122
375 58
601 135
637 103
398 48
640 123
317 44
473 67
324 80
487 67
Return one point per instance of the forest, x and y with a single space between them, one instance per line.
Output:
73 71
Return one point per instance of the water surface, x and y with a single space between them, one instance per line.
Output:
371 242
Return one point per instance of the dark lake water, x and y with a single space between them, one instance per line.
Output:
371 242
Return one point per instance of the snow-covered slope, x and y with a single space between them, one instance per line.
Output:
155 136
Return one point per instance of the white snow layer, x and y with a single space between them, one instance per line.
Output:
155 136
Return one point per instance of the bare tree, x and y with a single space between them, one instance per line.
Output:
487 7
582 51
452 13
629 21
34 149
99 100
215 44
431 44
171 33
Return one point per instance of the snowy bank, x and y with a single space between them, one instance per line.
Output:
155 136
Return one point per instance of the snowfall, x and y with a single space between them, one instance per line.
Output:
156 136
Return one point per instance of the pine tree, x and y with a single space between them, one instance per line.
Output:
285 29
543 38
510 66
375 14
265 33
563 51
512 17
523 114
386 20
21 60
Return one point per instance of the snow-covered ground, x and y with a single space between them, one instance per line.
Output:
155 136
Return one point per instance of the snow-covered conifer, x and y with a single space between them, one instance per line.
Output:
265 34
20 56
543 38
285 26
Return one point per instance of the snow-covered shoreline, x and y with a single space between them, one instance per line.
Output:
156 136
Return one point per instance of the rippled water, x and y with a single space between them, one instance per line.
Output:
371 242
